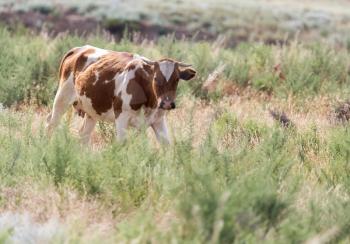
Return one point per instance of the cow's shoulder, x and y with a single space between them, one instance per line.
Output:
139 76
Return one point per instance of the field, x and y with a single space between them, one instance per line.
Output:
233 173
268 21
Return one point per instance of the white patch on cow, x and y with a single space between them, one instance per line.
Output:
153 114
65 96
88 108
167 69
93 57
121 125
137 56
161 130
126 98
142 58
97 75
121 84
66 93
86 129
118 79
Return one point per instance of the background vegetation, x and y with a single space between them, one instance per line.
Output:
29 67
233 174
268 21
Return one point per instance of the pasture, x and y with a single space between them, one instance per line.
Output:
232 173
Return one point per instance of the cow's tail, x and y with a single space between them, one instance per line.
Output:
69 53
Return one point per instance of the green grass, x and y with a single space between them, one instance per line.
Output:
29 64
244 181
262 185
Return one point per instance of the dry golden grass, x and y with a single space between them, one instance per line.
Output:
93 219
195 116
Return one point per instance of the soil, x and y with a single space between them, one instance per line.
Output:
52 23
69 21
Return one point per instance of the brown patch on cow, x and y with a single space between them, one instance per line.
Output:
66 68
187 74
131 67
137 92
117 105
141 88
68 54
74 61
81 60
101 91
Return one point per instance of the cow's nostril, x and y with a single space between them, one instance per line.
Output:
161 105
173 105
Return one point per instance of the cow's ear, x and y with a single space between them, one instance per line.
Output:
187 74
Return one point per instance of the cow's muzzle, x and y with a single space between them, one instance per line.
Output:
167 105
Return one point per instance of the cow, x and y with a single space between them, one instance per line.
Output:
119 87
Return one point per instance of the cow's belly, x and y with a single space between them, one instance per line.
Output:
144 117
87 107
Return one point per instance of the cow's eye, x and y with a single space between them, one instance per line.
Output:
159 82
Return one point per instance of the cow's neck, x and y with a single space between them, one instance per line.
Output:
147 87
151 96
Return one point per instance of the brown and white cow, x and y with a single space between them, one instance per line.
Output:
118 87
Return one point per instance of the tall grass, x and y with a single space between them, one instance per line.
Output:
29 65
244 182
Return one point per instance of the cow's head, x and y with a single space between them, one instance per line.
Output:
167 74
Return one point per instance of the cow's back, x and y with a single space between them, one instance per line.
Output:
77 60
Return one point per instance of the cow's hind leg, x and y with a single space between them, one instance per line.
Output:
86 129
65 97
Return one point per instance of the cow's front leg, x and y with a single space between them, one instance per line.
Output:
121 124
86 129
160 128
